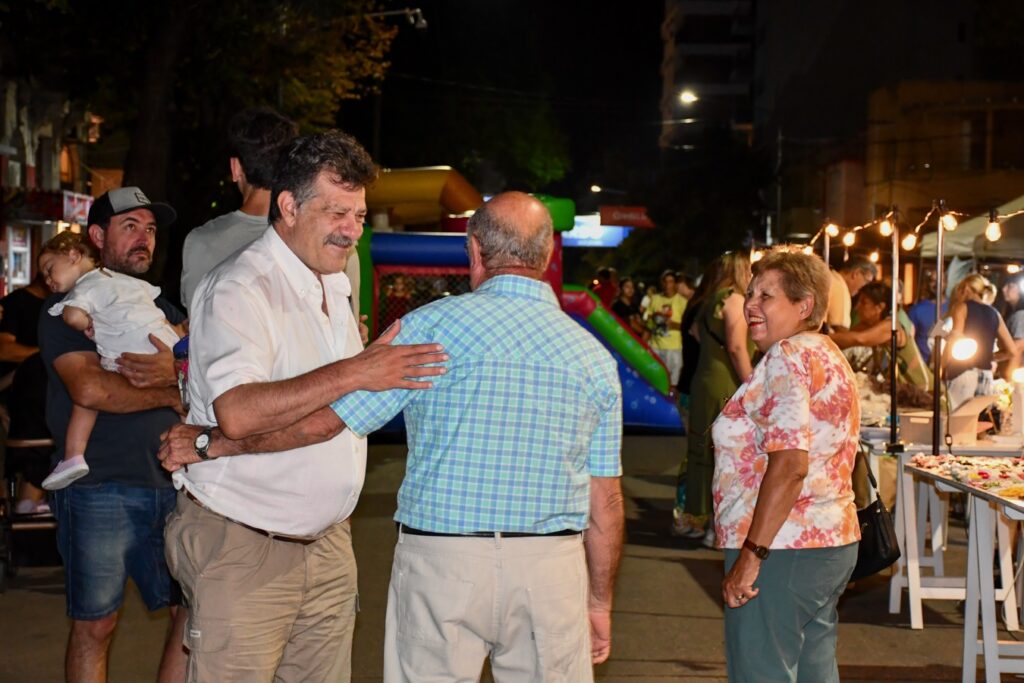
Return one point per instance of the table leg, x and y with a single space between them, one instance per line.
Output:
982 521
970 662
938 516
898 578
1009 589
911 547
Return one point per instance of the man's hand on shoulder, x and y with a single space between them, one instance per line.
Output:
382 366
148 370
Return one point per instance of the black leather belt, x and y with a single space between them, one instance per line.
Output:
484 534
262 532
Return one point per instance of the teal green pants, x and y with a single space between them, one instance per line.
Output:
787 634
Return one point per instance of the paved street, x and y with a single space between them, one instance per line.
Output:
668 616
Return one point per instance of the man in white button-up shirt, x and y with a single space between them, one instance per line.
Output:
260 541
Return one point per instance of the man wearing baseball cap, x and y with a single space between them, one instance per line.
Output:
110 522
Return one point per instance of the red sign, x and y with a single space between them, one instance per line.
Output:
635 216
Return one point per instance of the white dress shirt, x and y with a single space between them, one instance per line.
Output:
258 318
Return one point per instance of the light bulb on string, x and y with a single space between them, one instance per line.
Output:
1013 269
993 231
873 256
808 250
885 227
756 255
848 239
948 221
832 230
909 242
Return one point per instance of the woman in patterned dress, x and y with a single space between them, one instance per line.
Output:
785 445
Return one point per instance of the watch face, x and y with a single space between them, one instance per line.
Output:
202 441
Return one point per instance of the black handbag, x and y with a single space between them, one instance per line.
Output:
878 546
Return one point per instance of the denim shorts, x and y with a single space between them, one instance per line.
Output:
106 533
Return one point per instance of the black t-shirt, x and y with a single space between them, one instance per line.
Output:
981 325
122 447
21 310
624 310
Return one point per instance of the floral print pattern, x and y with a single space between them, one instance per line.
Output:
801 396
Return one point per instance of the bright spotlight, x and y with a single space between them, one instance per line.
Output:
595 188
964 348
688 97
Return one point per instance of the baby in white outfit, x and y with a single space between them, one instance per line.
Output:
116 311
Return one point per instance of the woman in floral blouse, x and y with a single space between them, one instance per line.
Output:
785 445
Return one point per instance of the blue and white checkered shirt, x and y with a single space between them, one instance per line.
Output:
507 440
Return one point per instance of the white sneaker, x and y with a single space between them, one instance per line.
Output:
709 538
66 472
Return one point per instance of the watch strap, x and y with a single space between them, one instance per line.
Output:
202 452
759 550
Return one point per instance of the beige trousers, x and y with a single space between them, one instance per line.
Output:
520 601
262 609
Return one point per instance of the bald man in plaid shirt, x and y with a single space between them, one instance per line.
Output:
510 516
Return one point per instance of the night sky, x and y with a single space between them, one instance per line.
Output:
594 64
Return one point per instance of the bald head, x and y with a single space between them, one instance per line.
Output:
513 231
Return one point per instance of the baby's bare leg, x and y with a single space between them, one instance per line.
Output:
79 428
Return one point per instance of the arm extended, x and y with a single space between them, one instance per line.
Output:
263 407
177 444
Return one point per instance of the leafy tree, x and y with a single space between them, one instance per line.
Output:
167 75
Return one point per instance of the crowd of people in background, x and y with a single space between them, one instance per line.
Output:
698 330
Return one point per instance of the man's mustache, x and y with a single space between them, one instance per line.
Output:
339 241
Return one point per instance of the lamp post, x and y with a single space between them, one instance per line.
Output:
893 226
940 207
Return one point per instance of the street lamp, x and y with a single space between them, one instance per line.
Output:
688 97
600 189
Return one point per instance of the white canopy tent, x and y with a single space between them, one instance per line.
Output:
968 240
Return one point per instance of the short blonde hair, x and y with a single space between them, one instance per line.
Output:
802 275
971 288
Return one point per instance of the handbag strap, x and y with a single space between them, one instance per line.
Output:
862 452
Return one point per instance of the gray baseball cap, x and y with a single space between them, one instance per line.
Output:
125 199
